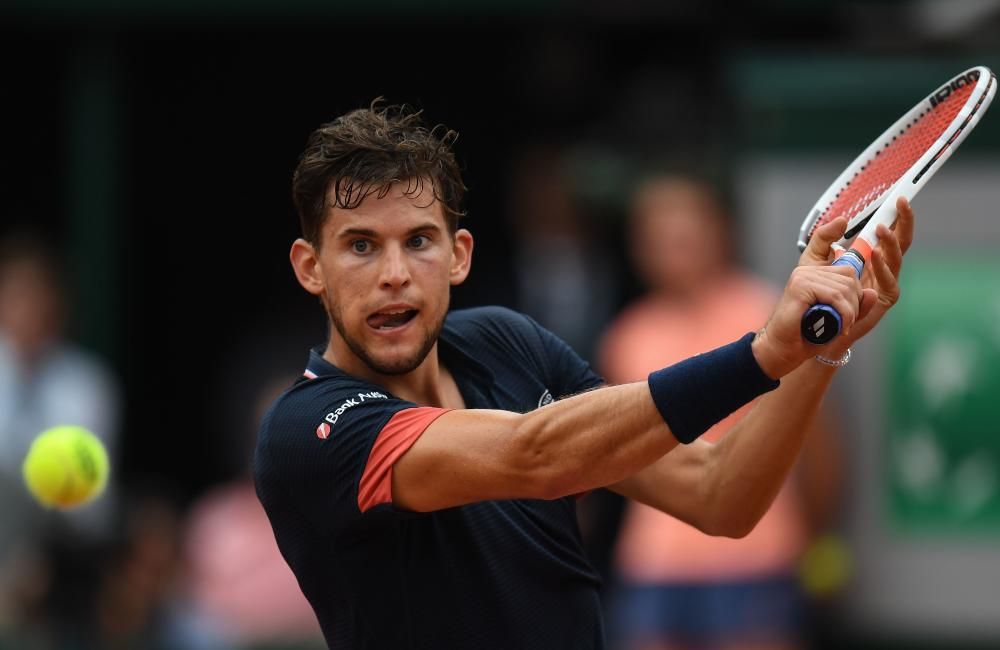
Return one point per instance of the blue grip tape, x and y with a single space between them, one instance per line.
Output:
852 259
821 322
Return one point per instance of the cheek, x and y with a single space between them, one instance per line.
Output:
427 266
346 298
338 301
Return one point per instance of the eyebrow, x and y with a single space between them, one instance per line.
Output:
368 232
364 232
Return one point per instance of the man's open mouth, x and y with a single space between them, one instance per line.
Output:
391 318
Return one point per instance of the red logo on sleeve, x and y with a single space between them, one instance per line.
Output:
323 431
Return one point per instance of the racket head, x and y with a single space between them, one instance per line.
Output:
904 157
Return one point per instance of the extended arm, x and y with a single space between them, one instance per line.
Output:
725 488
572 445
604 436
607 435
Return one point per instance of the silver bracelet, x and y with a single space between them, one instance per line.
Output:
836 363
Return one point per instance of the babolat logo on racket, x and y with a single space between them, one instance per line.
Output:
956 83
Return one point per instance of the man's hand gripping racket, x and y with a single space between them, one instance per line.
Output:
869 195
879 286
861 302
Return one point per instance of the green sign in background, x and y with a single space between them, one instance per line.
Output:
943 420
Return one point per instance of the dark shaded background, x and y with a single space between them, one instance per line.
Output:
154 143
185 186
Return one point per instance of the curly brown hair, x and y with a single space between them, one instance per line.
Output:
367 150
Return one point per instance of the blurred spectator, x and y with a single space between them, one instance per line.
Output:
44 381
236 574
564 276
679 587
142 601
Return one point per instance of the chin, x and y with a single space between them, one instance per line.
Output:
395 368
396 362
391 357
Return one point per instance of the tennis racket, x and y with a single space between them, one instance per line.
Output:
898 163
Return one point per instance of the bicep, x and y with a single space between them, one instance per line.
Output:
462 457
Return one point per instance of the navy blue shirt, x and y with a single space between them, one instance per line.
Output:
494 574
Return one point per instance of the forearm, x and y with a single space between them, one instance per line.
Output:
567 447
576 444
747 468
689 397
593 439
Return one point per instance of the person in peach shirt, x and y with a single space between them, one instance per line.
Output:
678 586
236 576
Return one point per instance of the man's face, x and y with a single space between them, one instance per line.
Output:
384 271
678 239
30 307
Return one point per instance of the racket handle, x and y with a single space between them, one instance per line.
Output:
822 323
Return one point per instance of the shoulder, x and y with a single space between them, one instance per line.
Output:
492 319
646 314
513 343
497 325
484 329
85 384
754 286
314 444
78 365
747 296
625 344
321 431
639 311
311 403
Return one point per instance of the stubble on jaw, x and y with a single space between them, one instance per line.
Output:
400 367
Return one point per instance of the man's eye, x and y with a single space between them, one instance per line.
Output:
360 246
418 241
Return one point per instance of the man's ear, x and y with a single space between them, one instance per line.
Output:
305 263
461 256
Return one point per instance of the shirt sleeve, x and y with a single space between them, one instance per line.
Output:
328 448
568 373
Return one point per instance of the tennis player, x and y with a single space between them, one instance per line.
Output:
421 476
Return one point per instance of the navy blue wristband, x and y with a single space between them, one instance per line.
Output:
698 392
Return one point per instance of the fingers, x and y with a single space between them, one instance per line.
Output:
904 223
869 298
839 278
862 304
890 247
835 286
819 249
888 286
810 284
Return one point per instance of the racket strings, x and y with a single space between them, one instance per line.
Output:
881 172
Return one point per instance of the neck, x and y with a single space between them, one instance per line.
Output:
697 290
26 355
429 384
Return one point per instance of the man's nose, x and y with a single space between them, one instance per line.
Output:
395 272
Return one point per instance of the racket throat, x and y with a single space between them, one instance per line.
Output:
854 259
856 256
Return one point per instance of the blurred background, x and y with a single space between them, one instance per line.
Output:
145 292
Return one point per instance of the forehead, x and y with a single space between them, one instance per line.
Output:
675 200
26 270
402 204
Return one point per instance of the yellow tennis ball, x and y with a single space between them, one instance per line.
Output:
826 566
65 467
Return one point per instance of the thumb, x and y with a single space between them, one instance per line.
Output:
819 249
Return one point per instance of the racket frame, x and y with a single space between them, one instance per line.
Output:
921 171
882 209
